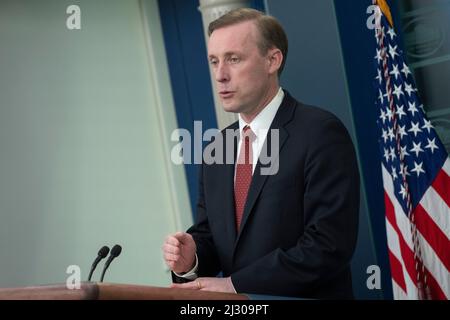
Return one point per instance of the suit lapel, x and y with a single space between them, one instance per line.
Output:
283 116
228 182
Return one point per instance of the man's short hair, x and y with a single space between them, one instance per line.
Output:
271 31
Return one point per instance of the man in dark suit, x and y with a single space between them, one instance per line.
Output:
291 231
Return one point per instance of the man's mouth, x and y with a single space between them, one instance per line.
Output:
224 94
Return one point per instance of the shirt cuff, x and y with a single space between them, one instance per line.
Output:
192 274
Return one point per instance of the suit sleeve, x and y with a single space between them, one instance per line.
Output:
209 263
331 205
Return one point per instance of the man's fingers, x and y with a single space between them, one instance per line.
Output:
208 284
177 253
171 257
188 285
167 248
183 237
172 240
171 264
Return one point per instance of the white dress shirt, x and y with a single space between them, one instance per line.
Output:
260 126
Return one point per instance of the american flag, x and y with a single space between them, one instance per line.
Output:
416 176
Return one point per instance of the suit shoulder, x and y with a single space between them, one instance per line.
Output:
312 121
314 114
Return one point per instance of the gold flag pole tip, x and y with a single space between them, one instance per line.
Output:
386 11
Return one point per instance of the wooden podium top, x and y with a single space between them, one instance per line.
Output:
111 291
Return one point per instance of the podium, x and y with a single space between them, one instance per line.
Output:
111 291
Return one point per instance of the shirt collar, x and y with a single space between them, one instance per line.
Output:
264 119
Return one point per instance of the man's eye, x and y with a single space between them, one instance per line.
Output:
234 59
213 62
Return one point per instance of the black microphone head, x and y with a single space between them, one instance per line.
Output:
116 250
103 252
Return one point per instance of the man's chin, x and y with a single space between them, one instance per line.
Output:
230 108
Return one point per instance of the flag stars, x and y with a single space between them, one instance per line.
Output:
415 128
392 33
418 168
403 192
395 71
412 108
402 131
381 96
379 77
389 114
386 154
406 71
393 51
392 154
431 145
428 126
409 89
383 116
417 148
400 112
398 91
404 171
403 152
379 57
391 134
384 135
394 174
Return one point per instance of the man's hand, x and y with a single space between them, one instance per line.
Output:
179 252
208 284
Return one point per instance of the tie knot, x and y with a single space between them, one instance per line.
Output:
247 132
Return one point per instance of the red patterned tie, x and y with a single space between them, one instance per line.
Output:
244 170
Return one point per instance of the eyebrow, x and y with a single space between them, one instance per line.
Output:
227 54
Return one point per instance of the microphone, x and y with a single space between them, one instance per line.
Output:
115 251
102 253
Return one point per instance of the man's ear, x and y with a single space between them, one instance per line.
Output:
275 59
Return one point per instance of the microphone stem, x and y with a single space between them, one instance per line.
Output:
90 274
103 273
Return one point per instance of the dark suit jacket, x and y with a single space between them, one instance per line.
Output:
299 227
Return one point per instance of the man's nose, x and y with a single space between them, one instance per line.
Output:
221 73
